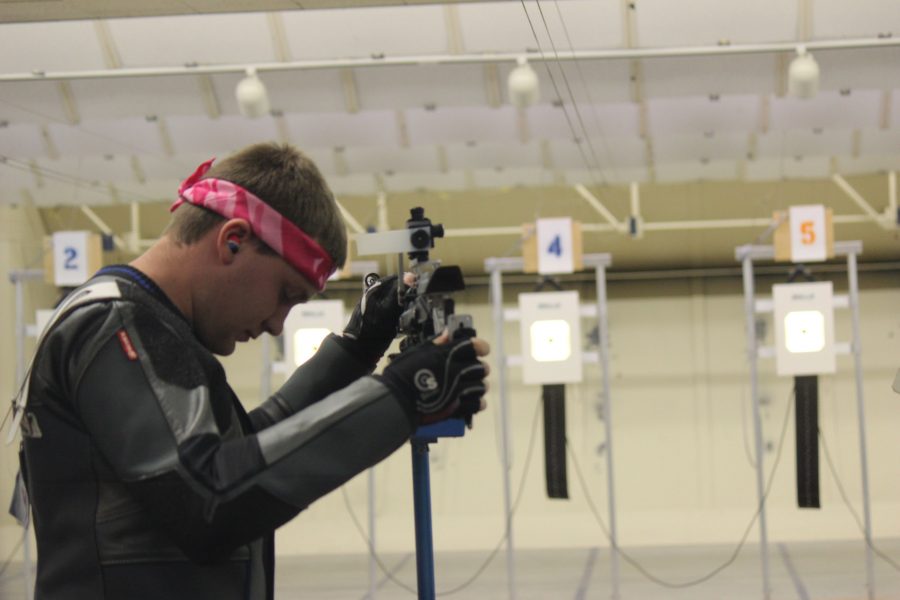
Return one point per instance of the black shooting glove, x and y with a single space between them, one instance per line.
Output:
373 324
439 380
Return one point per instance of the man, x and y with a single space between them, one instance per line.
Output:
147 477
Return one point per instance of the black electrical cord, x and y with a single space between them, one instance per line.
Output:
843 493
493 553
640 568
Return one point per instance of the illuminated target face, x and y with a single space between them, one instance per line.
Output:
804 331
306 343
551 341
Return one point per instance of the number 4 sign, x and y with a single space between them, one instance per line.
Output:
555 246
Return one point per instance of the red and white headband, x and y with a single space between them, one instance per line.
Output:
234 202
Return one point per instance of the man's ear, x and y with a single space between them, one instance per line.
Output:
232 235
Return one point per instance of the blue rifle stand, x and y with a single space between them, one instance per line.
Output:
423 436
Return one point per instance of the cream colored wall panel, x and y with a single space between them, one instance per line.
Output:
789 145
21 141
859 69
100 137
705 75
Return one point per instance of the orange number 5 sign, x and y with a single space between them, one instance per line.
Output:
808 232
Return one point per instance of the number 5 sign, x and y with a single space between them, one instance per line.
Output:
806 235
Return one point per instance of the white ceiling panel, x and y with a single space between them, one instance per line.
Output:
200 39
613 153
764 169
869 164
702 115
829 110
486 155
706 22
14 176
860 69
353 185
157 167
82 140
165 190
89 170
621 176
503 26
587 81
880 141
380 160
600 121
860 18
689 148
505 178
411 182
31 102
714 170
55 193
61 46
418 86
461 124
708 75
138 97
329 130
218 137
315 90
805 143
21 141
391 31
122 136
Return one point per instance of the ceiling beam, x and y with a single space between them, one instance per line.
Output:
452 59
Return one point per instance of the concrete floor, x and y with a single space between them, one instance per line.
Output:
798 571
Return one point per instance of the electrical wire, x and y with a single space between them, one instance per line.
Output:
493 553
587 92
562 71
843 493
640 568
572 129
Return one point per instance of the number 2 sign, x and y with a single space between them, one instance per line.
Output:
808 233
76 256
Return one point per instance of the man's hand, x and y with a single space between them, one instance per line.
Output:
442 379
373 324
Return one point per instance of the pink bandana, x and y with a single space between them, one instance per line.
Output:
234 202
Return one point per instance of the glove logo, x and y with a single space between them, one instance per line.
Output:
425 380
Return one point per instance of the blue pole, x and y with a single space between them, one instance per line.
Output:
422 505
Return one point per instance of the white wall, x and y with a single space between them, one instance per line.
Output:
682 428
